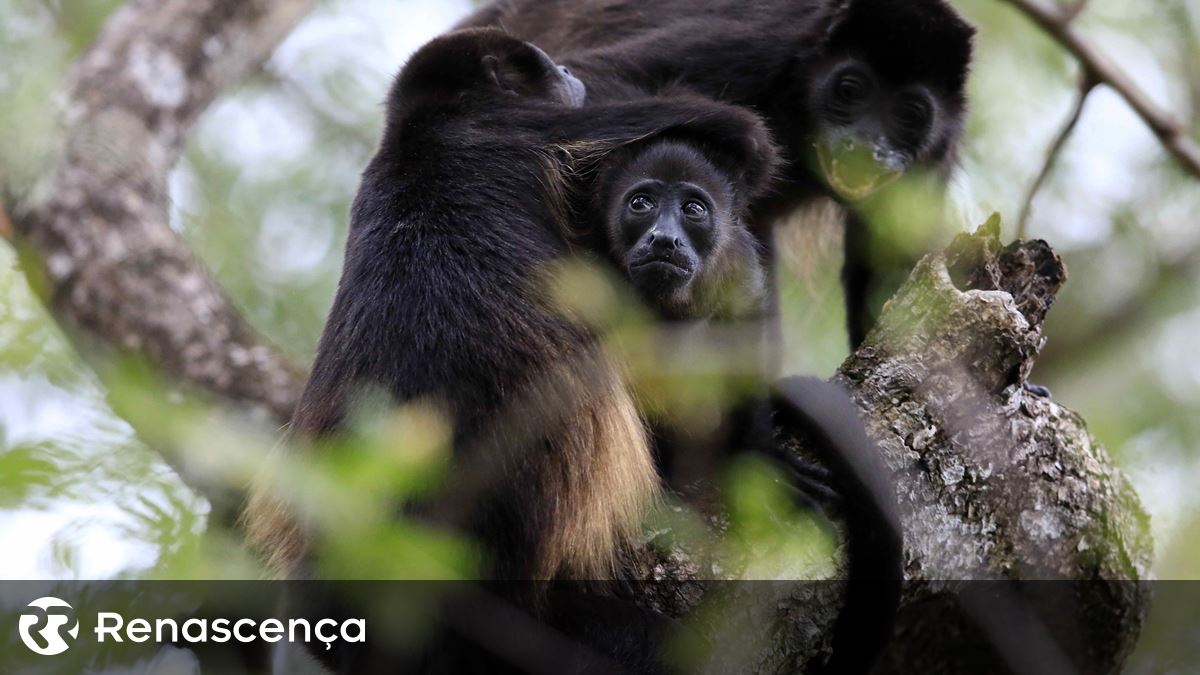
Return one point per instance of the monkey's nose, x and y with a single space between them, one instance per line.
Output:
663 242
889 159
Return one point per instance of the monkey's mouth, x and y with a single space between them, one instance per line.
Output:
663 269
853 174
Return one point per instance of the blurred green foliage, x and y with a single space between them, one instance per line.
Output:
263 194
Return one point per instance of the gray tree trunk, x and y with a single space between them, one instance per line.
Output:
995 484
96 223
1025 547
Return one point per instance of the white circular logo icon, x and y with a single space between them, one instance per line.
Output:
42 628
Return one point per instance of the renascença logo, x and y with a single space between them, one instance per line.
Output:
42 629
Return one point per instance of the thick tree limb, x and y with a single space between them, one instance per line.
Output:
997 483
1058 22
994 484
97 224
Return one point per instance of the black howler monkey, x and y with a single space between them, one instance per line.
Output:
858 92
671 221
442 300
668 215
439 302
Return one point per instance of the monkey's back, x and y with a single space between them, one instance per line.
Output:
443 300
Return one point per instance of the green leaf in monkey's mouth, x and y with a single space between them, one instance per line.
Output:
853 174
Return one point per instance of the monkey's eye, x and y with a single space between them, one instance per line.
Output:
641 204
914 114
694 209
850 89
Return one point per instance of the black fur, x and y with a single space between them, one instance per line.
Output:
442 301
778 57
769 55
721 254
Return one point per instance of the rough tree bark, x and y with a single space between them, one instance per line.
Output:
994 483
97 224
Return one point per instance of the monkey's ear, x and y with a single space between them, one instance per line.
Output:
501 74
491 67
834 16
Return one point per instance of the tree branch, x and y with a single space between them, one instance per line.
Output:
97 224
996 483
1069 12
1125 321
1171 132
993 483
1086 86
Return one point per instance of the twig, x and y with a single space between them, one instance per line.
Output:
1170 131
1073 10
1086 86
1122 323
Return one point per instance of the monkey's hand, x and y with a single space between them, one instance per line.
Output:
1037 390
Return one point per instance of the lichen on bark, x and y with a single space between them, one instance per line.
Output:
995 484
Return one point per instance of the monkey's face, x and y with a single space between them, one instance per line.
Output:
525 70
869 131
561 84
669 223
888 95
668 215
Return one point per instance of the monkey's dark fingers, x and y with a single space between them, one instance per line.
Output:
818 494
825 412
803 467
803 497
1037 390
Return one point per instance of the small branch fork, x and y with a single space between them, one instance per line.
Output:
1087 85
6 226
1059 22
1097 70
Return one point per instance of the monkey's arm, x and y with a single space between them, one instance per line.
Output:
738 64
824 414
871 273
720 48
588 134
858 280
